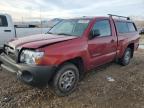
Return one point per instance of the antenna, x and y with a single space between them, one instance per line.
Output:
111 15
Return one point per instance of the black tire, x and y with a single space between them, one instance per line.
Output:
125 60
60 82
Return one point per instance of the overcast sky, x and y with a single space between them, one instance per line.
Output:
70 8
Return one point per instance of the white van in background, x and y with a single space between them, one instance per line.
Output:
7 30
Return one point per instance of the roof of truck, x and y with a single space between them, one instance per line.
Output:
103 17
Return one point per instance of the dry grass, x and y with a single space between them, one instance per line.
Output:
142 39
140 24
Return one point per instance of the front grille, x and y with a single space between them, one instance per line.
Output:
11 52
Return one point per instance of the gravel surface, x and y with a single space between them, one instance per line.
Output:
109 86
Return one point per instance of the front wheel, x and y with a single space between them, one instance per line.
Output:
66 79
125 60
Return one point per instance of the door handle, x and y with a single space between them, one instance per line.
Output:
7 30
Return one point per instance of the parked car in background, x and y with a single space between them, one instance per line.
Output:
71 48
7 30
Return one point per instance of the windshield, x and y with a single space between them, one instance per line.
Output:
74 27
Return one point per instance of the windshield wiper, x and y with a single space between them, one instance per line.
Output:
49 33
64 34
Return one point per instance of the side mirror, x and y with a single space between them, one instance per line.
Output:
94 33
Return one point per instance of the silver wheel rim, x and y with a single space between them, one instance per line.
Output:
67 80
127 56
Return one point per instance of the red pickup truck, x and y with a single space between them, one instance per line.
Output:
72 47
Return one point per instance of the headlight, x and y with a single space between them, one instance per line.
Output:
31 57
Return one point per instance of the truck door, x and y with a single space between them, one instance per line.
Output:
6 29
102 48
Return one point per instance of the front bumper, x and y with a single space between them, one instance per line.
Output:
27 73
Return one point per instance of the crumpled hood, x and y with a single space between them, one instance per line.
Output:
36 41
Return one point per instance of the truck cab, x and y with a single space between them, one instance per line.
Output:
7 31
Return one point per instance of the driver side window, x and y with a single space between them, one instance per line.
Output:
103 26
3 21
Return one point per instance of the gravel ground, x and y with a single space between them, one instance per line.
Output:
109 86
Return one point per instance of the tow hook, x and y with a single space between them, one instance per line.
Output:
19 73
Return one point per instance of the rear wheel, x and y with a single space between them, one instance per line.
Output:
125 60
66 79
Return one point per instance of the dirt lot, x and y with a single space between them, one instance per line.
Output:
95 91
142 39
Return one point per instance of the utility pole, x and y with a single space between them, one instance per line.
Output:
40 19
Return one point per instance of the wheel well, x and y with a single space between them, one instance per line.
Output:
131 46
78 62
